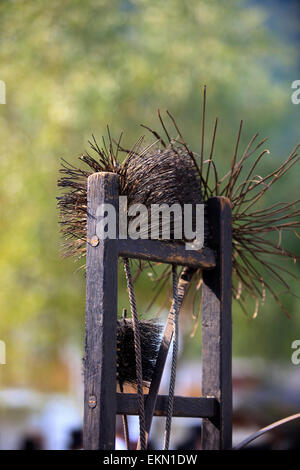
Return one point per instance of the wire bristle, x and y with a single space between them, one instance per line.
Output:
150 336
167 171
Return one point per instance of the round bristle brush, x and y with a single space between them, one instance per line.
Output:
150 336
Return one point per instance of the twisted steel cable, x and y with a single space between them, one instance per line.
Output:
174 359
138 354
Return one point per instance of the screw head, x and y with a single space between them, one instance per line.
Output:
92 401
94 240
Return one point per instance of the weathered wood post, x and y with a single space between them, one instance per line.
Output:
101 402
217 328
101 319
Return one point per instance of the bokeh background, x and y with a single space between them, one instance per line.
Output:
70 69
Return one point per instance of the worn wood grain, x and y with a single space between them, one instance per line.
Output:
101 321
101 402
188 407
216 328
167 252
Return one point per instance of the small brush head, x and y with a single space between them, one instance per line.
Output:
162 176
153 175
150 336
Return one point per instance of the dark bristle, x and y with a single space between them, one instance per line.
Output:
167 172
150 336
162 177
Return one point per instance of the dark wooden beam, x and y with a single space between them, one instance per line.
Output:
167 252
185 407
217 328
101 321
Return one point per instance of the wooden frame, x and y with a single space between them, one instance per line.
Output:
101 401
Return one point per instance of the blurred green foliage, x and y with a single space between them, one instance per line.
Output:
72 67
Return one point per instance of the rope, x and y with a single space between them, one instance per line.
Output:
174 360
183 284
138 354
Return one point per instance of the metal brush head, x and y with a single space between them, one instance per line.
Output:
162 176
150 336
169 173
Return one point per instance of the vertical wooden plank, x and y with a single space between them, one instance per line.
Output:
217 328
101 320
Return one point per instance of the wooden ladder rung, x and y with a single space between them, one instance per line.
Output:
184 407
167 252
